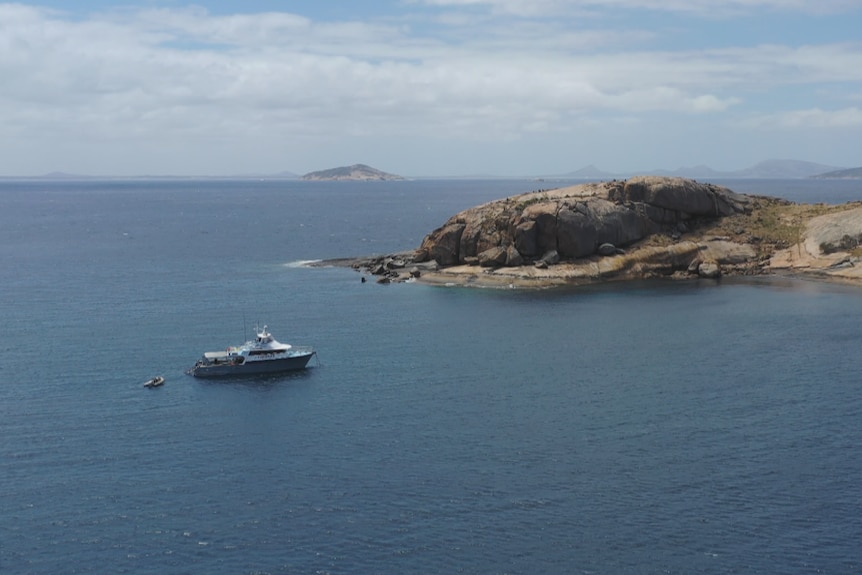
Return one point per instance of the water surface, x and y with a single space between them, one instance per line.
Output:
652 427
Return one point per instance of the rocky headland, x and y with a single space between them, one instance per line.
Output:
630 229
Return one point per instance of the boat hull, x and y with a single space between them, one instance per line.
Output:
293 363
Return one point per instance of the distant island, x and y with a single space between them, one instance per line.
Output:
851 174
356 172
768 169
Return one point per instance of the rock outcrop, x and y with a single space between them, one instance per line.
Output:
643 227
829 247
575 222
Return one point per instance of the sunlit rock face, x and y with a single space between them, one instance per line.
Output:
574 221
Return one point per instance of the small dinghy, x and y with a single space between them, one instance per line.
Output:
155 382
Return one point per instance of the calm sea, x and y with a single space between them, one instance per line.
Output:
651 427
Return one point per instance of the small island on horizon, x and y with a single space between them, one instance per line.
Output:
354 173
848 174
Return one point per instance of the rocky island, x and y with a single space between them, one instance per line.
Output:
356 172
637 228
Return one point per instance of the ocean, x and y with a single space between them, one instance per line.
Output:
646 427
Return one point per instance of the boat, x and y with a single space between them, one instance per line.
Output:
264 354
155 381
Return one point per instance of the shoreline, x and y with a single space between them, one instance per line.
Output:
666 262
646 227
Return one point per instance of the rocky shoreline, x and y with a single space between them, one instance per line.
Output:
623 230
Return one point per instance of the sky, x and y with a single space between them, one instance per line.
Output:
426 87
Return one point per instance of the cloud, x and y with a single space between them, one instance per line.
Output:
146 77
814 118
190 73
711 8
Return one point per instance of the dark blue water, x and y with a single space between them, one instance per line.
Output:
644 428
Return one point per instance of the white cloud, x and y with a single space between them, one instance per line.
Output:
711 103
704 7
169 78
191 73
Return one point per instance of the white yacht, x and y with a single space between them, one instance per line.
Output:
262 355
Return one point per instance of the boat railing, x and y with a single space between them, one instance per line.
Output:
301 349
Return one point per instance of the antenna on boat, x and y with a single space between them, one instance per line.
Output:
243 327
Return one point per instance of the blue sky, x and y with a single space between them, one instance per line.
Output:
427 87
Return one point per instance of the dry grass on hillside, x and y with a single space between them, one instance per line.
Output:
770 224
